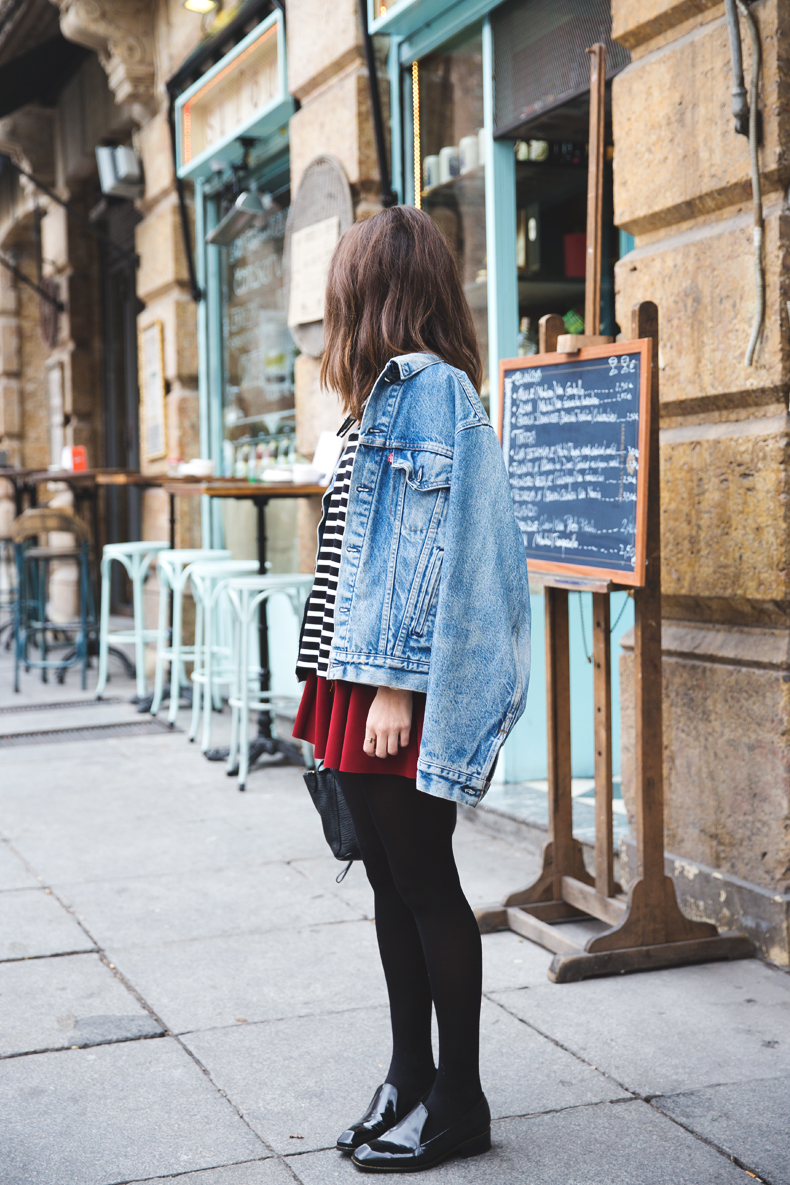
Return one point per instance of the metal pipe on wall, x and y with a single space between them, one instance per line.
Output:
757 198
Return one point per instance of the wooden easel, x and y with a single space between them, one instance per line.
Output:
648 929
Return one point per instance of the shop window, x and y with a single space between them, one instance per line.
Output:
542 104
258 352
449 162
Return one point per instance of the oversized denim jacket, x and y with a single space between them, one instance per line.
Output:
432 590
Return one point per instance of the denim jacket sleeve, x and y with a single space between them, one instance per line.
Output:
479 672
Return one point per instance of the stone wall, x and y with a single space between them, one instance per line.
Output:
328 75
683 189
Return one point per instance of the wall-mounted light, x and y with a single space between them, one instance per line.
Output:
249 207
201 6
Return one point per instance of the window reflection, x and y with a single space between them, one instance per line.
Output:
449 164
258 406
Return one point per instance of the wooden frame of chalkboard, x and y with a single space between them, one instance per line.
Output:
555 429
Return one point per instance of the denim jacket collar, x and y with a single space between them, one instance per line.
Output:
405 366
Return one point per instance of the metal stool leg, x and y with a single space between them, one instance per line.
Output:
244 671
208 668
233 751
175 658
104 626
139 565
198 666
161 642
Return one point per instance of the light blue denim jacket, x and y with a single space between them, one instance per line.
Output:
432 590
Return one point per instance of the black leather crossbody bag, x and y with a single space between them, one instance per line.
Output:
336 818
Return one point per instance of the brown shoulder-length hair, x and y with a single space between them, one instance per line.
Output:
393 288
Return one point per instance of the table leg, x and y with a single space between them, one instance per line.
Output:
264 718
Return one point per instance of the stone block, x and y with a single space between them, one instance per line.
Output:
8 292
262 1069
157 156
35 924
618 1143
116 1113
336 120
312 59
671 111
726 755
161 250
13 873
703 283
55 235
142 911
276 974
636 21
10 357
716 1022
59 1003
258 1172
724 488
748 1121
10 408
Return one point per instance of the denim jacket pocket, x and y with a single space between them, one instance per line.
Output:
425 471
428 596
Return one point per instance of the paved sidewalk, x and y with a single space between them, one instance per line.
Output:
186 993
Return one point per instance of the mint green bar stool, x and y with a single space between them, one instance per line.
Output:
136 559
212 661
172 571
247 594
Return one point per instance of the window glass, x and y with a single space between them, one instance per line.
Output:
551 237
449 164
258 423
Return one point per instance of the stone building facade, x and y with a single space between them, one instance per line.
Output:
682 189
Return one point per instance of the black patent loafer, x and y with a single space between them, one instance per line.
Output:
381 1115
402 1149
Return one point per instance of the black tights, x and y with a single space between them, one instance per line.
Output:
428 940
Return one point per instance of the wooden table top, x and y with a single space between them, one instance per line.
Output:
74 476
239 487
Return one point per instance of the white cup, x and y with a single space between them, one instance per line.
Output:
430 172
469 153
449 163
306 474
481 146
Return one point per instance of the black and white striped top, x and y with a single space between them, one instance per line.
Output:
319 621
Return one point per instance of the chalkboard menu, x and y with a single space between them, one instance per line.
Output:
575 433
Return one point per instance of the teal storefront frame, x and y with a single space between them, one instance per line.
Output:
418 28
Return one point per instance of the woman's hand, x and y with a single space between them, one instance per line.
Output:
389 722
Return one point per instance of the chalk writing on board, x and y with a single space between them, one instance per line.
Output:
571 442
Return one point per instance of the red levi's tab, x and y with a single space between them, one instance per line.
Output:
391 457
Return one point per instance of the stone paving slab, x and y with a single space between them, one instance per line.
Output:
59 1003
13 874
262 1172
105 824
710 1024
234 900
310 1077
34 923
15 723
750 1120
610 1144
114 1113
213 981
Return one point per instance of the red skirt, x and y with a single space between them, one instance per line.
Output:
333 715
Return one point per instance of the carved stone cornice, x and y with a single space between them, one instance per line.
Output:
121 33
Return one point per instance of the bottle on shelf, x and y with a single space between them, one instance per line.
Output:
527 338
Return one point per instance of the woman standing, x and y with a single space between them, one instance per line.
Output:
415 651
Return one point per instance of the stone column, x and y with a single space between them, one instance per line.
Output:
683 189
328 75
